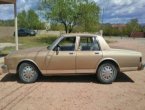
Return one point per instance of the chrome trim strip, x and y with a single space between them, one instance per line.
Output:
86 71
60 71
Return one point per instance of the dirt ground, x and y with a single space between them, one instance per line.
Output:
6 31
77 92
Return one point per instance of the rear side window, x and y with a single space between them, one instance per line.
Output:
88 44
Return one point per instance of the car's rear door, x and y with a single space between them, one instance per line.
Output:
88 54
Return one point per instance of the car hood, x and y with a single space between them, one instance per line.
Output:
38 49
25 52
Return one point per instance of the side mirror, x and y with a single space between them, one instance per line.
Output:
57 49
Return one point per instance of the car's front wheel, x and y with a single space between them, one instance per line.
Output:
107 73
28 73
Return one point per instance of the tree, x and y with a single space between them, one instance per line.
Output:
133 26
143 28
107 29
89 18
29 20
22 20
72 12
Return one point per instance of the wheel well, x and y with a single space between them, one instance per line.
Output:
110 61
30 62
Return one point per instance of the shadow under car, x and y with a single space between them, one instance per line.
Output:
122 77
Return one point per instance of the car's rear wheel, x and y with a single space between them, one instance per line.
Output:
28 73
107 73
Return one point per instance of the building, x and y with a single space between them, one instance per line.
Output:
119 26
137 34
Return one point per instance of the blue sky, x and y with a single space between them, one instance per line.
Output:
115 11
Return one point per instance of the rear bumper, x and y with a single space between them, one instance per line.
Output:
4 68
141 67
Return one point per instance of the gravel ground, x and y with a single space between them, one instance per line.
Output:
77 92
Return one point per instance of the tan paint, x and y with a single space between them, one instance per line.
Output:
74 62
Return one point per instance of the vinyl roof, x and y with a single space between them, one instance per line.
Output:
79 34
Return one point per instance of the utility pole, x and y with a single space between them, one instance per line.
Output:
16 25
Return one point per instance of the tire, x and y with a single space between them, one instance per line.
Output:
28 73
107 73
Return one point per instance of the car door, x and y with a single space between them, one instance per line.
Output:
63 60
88 55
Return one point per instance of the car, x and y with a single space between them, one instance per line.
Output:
26 32
73 54
32 32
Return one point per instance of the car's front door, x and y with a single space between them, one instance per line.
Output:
88 55
63 57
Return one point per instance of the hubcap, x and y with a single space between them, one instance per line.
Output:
107 72
28 73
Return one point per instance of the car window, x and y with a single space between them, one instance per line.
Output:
88 44
21 30
67 44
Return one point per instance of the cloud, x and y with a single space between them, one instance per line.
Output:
115 11
27 4
121 11
6 11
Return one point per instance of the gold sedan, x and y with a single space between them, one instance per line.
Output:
73 54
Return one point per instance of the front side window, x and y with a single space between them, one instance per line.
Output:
88 44
67 44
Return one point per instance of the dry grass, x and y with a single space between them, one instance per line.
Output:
27 42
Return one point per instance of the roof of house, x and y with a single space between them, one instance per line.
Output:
7 1
119 25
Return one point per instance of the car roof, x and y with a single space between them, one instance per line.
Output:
78 34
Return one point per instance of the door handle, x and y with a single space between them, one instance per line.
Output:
96 52
71 53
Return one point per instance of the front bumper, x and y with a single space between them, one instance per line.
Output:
4 68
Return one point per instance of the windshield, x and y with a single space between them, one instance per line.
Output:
53 44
